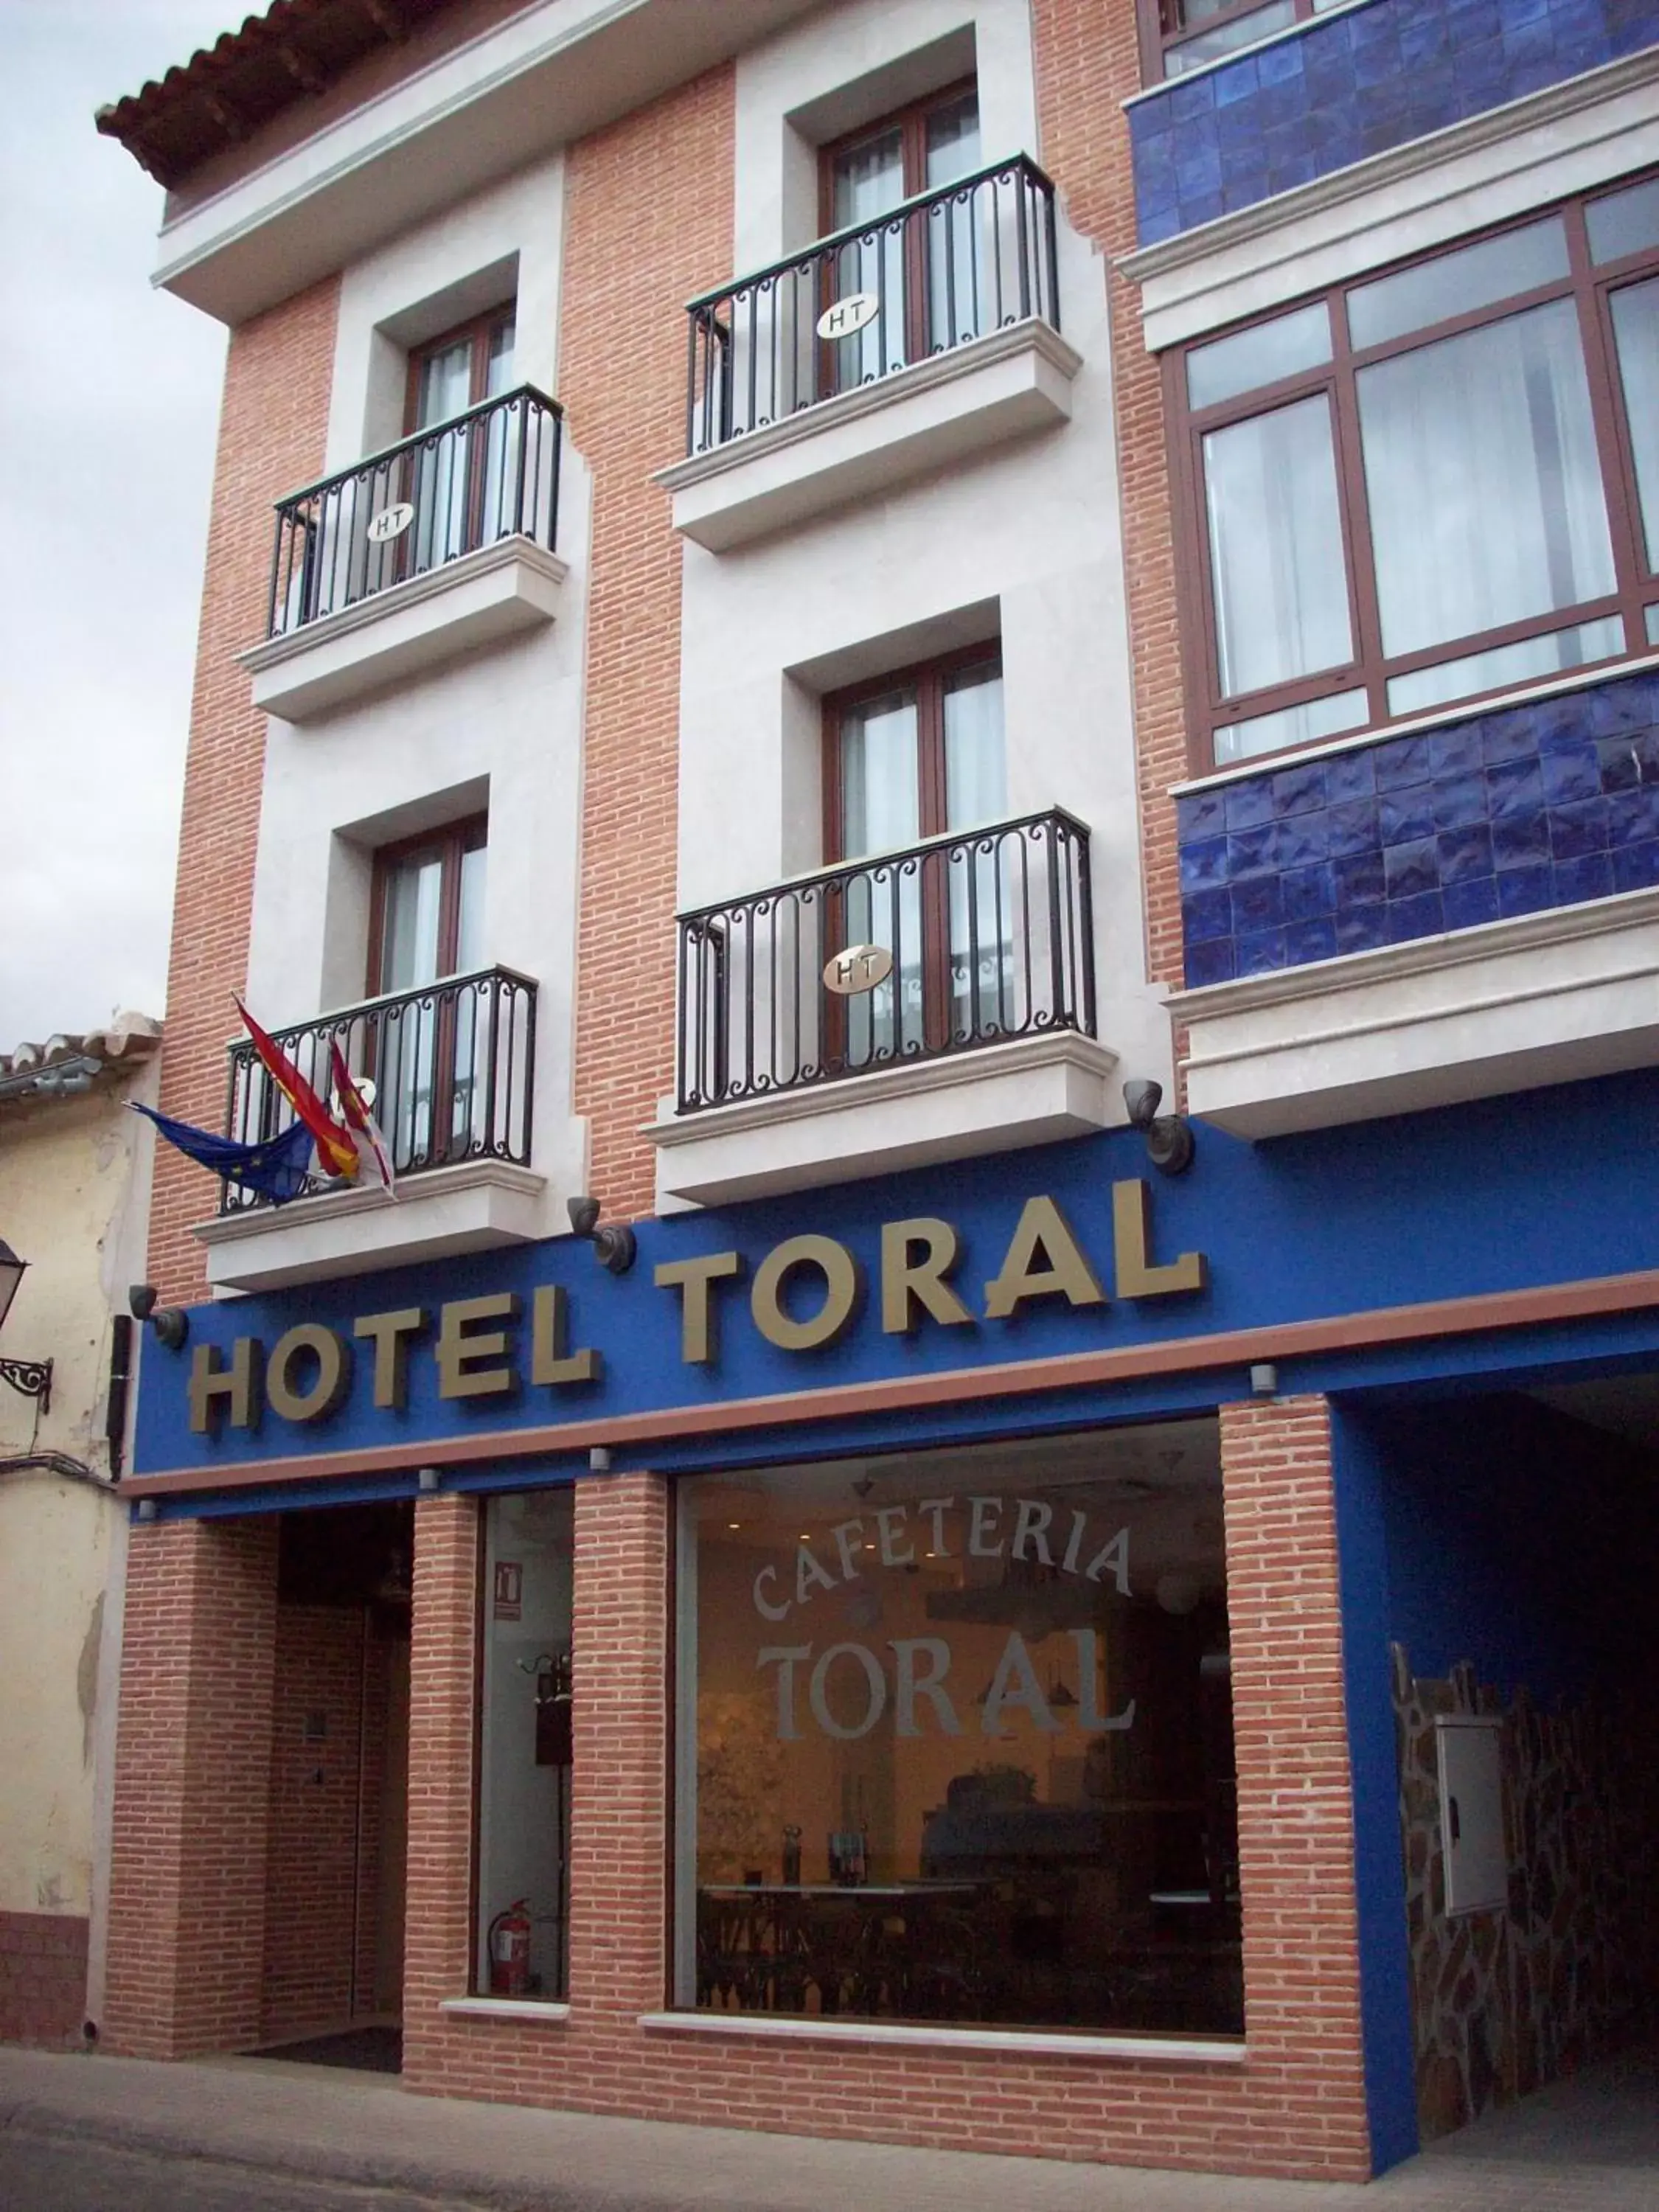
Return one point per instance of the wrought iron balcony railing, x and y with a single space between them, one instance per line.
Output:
488 474
943 269
979 936
451 1064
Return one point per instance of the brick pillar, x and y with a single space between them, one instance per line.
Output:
619 1792
442 1708
193 1781
1295 1796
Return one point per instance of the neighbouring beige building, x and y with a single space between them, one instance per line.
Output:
74 1203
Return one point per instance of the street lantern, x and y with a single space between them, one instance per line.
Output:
31 1377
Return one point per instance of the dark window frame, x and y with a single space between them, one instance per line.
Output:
911 121
477 330
452 843
1162 32
928 678
1589 286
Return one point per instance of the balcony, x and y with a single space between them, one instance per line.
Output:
1461 908
925 1005
443 542
452 1065
893 348
1344 87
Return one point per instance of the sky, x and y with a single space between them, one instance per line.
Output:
109 397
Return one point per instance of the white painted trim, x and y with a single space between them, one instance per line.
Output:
1569 137
1383 733
277 651
1420 955
502 2008
335 1205
1187 2050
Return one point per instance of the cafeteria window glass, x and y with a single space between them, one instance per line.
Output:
954 1739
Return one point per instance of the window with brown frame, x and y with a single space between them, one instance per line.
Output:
427 911
1426 485
1178 35
455 372
430 1049
460 478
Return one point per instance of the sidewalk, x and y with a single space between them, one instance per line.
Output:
1587 2146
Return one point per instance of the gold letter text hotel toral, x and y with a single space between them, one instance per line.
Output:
459 1350
233 1392
911 1286
1043 1261
391 1333
322 1396
699 1322
551 1361
841 1285
1131 1242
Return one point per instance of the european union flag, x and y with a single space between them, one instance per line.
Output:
278 1169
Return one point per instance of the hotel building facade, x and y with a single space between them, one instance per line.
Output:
803 602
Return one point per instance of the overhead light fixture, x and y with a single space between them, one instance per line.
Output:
1169 1136
30 1378
171 1323
614 1246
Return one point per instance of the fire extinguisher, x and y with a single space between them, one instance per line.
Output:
509 1951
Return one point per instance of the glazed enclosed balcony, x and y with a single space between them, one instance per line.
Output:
443 542
925 1003
449 1071
898 344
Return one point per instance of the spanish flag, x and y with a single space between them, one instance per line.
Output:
337 1155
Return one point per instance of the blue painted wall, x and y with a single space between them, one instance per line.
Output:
1355 84
1541 805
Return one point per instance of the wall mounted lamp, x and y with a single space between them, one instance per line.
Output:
614 1246
171 1323
31 1378
1169 1136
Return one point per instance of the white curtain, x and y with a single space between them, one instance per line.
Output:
1636 328
1485 489
1281 593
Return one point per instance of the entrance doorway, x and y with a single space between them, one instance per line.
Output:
339 1781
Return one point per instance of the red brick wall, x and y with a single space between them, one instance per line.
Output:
442 1698
43 1977
648 223
271 433
1087 63
192 1771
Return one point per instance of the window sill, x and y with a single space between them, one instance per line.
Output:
512 586
934 414
1031 1091
1151 2050
522 2008
471 1208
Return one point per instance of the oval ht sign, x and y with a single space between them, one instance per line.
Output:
849 315
859 967
390 522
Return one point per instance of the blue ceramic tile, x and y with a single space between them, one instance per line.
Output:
1299 790
1281 63
1242 190
1250 802
1514 788
1579 829
1375 64
1559 724
1421 44
1353 828
1633 816
1589 878
1350 775
1207 914
1362 928
1258 905
1635 866
1201 814
1308 892
1252 853
1359 879
1456 751
1235 82
1404 761
1198 170
1467 904
1519 840
1511 12
1210 962
1205 208
1405 815
1459 801
1626 706
1203 863
1532 64
1619 763
1644 743
1262 951
1310 940
1409 871
1464 853
1524 891
1571 774
1507 737
1301 840
1192 101
1152 225
1300 170
1422 916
